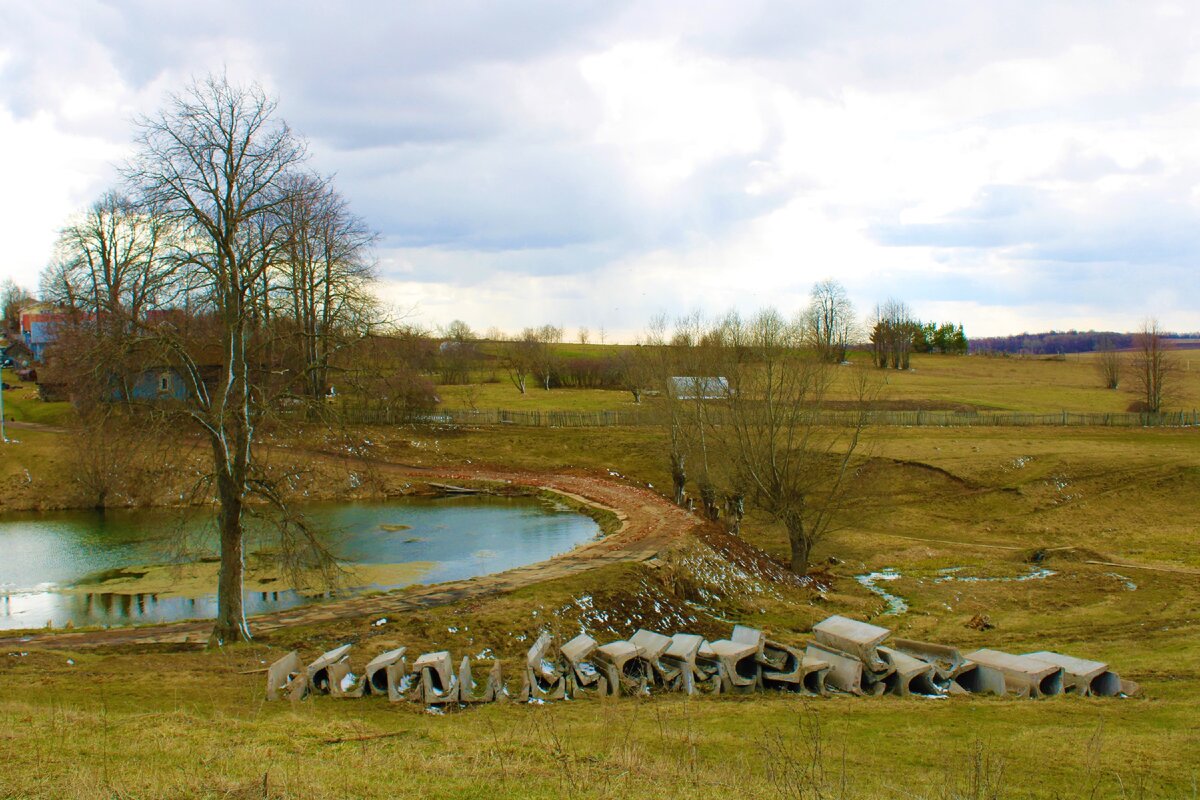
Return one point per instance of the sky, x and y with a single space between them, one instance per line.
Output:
1015 166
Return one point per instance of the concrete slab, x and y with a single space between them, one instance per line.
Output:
785 668
583 677
1025 677
543 678
624 667
910 676
845 671
664 674
1081 676
859 639
739 668
471 692
438 683
318 671
376 671
697 672
343 683
283 677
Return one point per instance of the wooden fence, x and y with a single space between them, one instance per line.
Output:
640 417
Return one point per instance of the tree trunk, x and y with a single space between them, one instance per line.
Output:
678 477
800 542
231 616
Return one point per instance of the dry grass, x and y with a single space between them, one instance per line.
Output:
157 722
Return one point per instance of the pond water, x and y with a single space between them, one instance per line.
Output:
43 555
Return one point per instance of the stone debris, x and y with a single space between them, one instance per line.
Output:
845 655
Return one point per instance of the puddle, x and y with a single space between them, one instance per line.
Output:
950 574
1126 582
895 604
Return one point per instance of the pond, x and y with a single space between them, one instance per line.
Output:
47 557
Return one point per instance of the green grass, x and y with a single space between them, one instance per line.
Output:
22 404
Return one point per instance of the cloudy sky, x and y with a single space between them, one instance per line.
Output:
1013 166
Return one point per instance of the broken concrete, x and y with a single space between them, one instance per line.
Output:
543 678
698 668
376 671
738 663
624 667
470 692
1024 677
858 639
909 675
344 683
974 678
845 671
786 668
318 671
584 677
437 683
400 681
654 645
286 678
1081 676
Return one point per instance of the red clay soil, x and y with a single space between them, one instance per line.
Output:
649 523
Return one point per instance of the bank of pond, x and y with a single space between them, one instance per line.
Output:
132 566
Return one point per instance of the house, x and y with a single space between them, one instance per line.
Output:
691 387
39 325
156 383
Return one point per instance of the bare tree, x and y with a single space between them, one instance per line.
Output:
520 357
636 375
584 335
545 357
790 465
214 163
829 322
324 276
1108 363
662 368
110 263
12 297
1152 366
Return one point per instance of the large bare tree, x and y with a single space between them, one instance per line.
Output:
324 278
1153 366
216 164
779 450
111 264
828 322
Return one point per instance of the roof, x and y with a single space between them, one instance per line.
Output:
696 387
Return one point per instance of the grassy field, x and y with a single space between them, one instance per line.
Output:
22 404
1041 385
959 514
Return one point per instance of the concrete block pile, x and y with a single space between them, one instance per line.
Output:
845 656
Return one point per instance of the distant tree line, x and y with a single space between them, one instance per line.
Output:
1053 343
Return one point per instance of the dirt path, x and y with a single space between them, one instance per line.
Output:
648 523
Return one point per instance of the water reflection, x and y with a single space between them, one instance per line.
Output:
464 536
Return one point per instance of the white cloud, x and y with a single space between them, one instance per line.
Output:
1011 166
